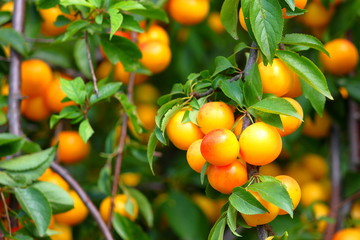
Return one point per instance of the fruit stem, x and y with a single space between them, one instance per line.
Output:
335 182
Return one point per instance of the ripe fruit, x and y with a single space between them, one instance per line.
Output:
103 69
295 89
298 3
320 210
208 206
75 215
35 108
146 93
343 59
156 56
299 173
121 75
154 33
292 188
188 12
54 95
54 178
238 125
316 165
242 20
215 23
347 234
64 232
182 135
317 128
316 16
123 205
72 148
220 147
130 179
146 114
276 78
8 6
225 178
311 192
291 124
355 211
263 218
260 144
35 76
49 17
214 115
194 157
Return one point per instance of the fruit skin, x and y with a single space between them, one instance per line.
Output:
49 17
154 33
75 215
103 69
121 75
321 210
215 23
343 59
64 232
130 179
242 19
295 89
146 93
8 6
316 16
120 202
276 78
35 108
290 123
316 165
35 76
263 218
225 178
156 56
214 115
355 210
299 4
317 128
208 206
311 192
72 148
260 144
54 178
220 147
239 125
292 188
347 234
194 157
182 135
188 12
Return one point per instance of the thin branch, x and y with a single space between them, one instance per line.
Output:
119 158
335 181
84 197
252 58
4 59
353 131
96 90
6 212
39 40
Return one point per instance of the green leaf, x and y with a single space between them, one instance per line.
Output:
34 203
345 17
274 192
69 112
127 229
218 230
121 49
276 105
104 180
127 5
317 100
229 17
96 3
168 115
9 36
80 56
10 144
47 3
5 17
267 25
221 63
291 4
74 28
30 147
130 110
253 86
116 19
306 70
151 11
164 109
85 130
74 89
7 180
106 91
144 205
83 3
268 118
59 199
233 90
231 218
129 23
26 162
151 147
304 40
99 19
244 202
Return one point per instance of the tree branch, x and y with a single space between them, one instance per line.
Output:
335 181
88 52
84 197
6 212
353 131
252 58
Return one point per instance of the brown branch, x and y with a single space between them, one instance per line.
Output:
4 59
119 158
84 197
39 40
6 212
353 131
252 58
88 52
335 181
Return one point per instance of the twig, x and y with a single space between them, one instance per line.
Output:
118 163
96 90
39 40
335 181
6 212
84 197
252 58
